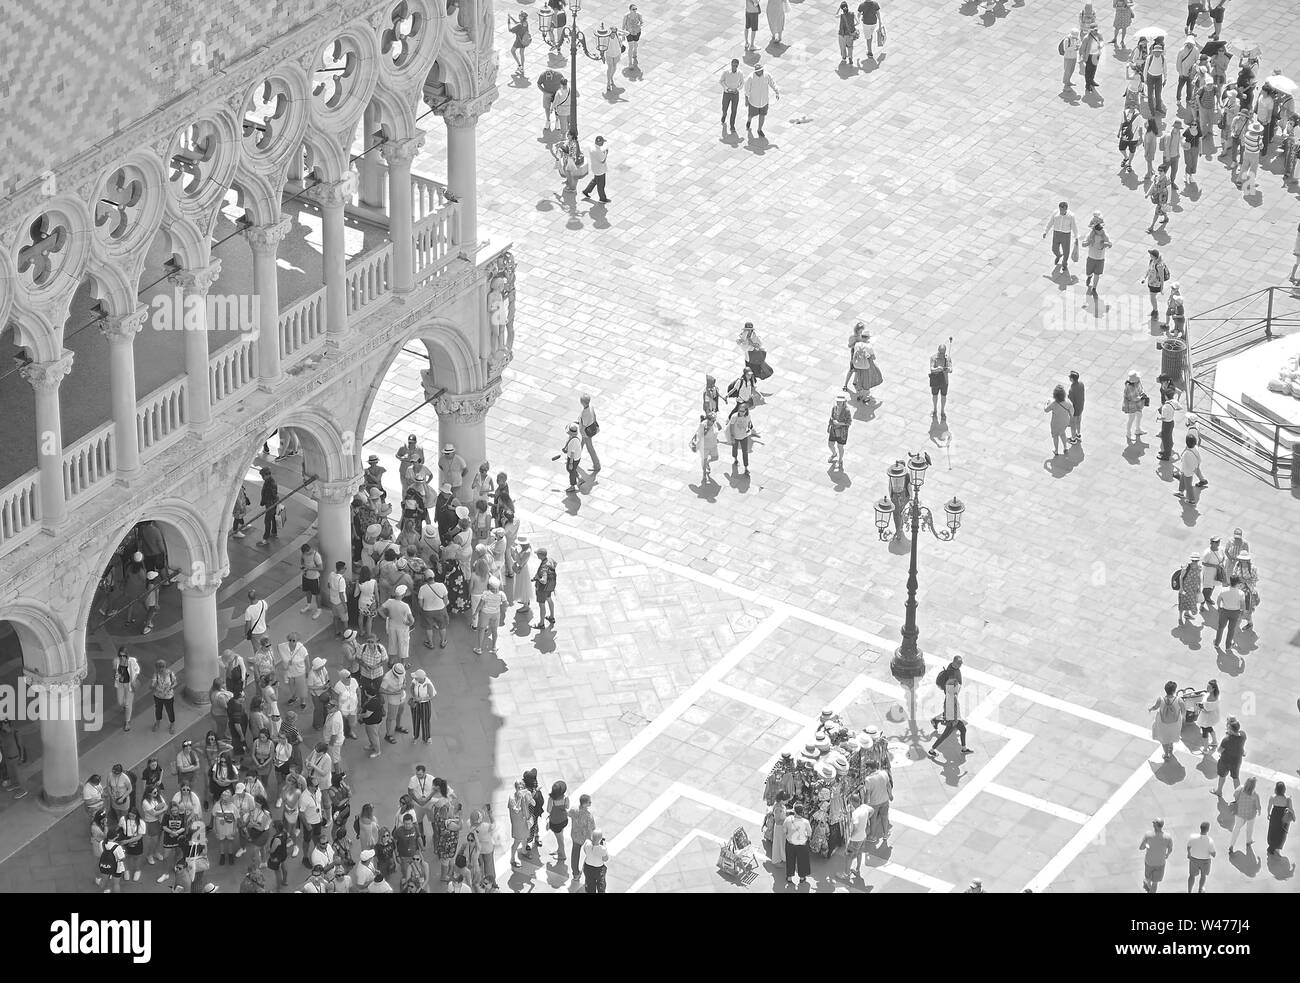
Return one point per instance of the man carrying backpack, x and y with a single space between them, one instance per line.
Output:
951 719
112 866
544 587
1156 70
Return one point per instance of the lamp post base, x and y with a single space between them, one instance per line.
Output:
907 667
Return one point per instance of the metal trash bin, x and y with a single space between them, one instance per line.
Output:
1173 361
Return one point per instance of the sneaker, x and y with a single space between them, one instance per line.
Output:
163 877
304 609
240 852
315 614
100 880
261 542
211 888
296 850
1202 484
135 876
967 750
152 860
933 754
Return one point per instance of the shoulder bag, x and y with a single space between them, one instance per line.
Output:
593 427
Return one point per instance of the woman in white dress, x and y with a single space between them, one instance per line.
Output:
523 580
705 443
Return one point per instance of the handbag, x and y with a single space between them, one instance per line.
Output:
880 34
592 428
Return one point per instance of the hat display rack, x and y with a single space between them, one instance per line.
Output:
822 775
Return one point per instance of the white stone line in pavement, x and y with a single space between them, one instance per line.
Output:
1034 802
762 703
684 702
679 790
1094 827
851 631
667 858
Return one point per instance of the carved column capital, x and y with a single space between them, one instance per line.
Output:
468 407
199 279
62 683
459 113
334 194
402 151
124 327
265 238
46 376
200 585
340 492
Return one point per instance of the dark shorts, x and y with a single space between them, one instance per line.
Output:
153 828
1228 767
1156 290
1216 15
939 384
310 585
1093 266
838 440
634 37
1195 867
433 619
853 846
1155 874
751 21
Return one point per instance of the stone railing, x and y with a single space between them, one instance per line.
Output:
301 325
435 239
427 196
89 461
233 367
370 277
20 509
161 415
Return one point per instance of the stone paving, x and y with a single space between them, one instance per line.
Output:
700 625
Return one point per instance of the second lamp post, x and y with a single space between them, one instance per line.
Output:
903 505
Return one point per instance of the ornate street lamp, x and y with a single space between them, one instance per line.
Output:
576 37
902 504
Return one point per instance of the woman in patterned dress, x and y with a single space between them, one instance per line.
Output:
454 580
1123 19
1189 590
446 827
1245 569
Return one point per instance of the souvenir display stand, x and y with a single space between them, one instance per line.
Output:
823 775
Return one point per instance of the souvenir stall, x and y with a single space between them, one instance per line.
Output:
821 777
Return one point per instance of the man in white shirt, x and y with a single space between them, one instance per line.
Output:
336 596
731 80
587 420
451 468
572 454
255 616
951 720
1188 466
1212 571
293 657
421 790
757 89
1200 851
598 157
432 599
595 862
1231 601
347 694
797 855
1166 417
1064 232
859 820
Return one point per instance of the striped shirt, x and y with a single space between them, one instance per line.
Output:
1252 140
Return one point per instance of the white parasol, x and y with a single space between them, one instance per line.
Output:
1240 46
1151 33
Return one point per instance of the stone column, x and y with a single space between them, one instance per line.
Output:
371 190
201 636
462 170
334 520
399 154
44 378
462 420
331 198
60 704
195 283
265 242
120 332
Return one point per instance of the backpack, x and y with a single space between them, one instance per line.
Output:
860 355
539 804
235 677
549 567
108 858
941 680
1168 711
1176 580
